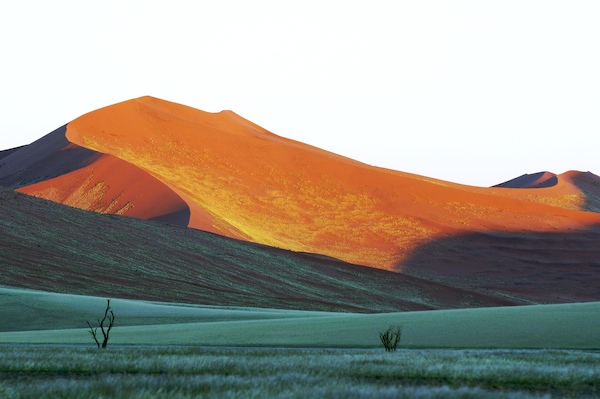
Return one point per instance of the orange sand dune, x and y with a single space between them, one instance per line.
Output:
242 181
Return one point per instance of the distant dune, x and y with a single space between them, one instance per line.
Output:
535 180
153 159
572 190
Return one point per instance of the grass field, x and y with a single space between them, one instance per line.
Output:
47 318
23 309
183 351
185 372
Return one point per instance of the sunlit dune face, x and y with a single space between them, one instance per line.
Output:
110 185
242 181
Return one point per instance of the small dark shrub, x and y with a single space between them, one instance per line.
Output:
108 316
390 338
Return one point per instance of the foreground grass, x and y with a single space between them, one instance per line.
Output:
183 372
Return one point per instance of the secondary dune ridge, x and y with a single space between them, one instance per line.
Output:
56 169
110 185
239 180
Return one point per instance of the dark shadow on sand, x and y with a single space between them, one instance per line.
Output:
51 156
541 267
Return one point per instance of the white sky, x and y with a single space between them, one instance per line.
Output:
475 92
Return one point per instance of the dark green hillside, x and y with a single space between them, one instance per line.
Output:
47 246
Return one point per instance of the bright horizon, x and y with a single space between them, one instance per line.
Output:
474 92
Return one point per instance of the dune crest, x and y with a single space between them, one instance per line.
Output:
551 189
535 180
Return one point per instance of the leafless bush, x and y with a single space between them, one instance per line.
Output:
108 316
390 338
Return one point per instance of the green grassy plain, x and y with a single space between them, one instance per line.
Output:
190 372
23 309
48 318
183 351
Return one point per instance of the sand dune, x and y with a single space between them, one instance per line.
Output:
546 188
242 181
532 239
85 179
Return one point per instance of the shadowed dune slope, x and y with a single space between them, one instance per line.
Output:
543 267
242 181
51 156
56 248
5 153
55 169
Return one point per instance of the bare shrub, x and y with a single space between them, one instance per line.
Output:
108 316
390 338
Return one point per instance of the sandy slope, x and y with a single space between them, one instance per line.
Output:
242 181
110 185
